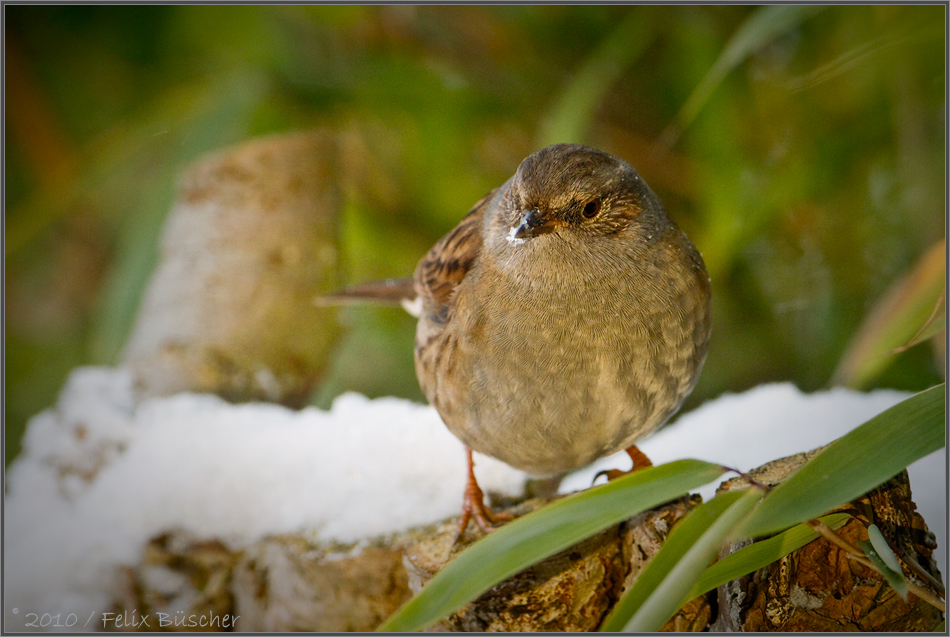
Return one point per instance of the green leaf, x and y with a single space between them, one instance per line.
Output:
882 548
854 464
911 311
760 28
664 584
760 554
680 540
934 324
542 533
574 110
894 578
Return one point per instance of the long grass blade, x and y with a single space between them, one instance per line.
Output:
574 110
760 554
689 553
934 324
911 311
856 463
540 534
679 541
760 28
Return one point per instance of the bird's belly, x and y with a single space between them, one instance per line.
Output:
539 400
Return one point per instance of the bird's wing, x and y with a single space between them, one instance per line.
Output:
442 269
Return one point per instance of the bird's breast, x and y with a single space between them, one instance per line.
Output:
549 370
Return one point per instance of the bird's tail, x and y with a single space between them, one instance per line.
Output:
388 292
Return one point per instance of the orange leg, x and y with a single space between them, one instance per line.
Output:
640 461
473 505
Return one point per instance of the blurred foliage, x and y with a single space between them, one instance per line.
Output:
803 152
911 312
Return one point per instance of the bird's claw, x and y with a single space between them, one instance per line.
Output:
612 474
484 518
639 459
473 507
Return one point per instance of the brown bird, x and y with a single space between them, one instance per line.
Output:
565 318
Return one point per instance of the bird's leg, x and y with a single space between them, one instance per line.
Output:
639 459
473 505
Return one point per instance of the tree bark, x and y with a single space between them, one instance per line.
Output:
250 242
571 591
819 588
288 583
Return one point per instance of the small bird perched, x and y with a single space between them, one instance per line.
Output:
565 317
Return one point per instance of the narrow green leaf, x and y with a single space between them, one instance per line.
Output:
910 311
681 538
668 595
574 110
542 533
760 28
855 463
760 554
882 548
894 578
934 324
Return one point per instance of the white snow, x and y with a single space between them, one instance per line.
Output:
100 474
237 472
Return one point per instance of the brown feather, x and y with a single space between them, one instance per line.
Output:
390 292
442 269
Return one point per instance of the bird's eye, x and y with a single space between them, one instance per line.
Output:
592 208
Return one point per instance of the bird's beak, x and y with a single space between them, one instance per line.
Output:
533 223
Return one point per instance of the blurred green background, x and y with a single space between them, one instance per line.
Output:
802 149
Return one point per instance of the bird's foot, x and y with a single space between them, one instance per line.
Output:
473 507
639 459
